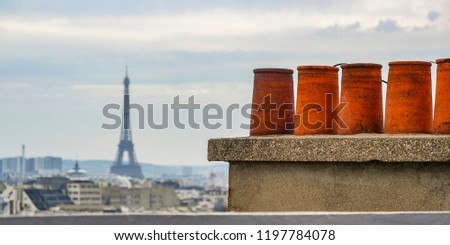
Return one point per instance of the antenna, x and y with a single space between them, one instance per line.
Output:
20 181
126 70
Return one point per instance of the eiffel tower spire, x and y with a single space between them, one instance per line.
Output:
132 169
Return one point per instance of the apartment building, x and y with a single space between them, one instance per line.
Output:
84 192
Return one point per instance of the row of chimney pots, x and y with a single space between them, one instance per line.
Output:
409 107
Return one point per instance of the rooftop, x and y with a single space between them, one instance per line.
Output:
45 199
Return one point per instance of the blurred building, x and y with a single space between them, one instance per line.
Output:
52 183
10 201
41 200
77 173
2 187
3 204
45 165
84 192
38 166
10 168
135 198
81 190
30 166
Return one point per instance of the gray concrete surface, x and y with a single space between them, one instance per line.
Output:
332 148
364 172
244 219
338 186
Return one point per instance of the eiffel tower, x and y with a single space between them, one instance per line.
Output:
132 169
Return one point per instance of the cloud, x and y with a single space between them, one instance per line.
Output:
336 29
388 25
433 15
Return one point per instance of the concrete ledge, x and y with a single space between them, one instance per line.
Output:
440 218
366 172
332 148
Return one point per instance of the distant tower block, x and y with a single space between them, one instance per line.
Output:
132 169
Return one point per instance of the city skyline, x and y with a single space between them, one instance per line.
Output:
63 61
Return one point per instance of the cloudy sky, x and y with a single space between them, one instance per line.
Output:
62 61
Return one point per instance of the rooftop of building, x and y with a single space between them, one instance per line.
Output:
2 186
46 199
82 181
77 173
